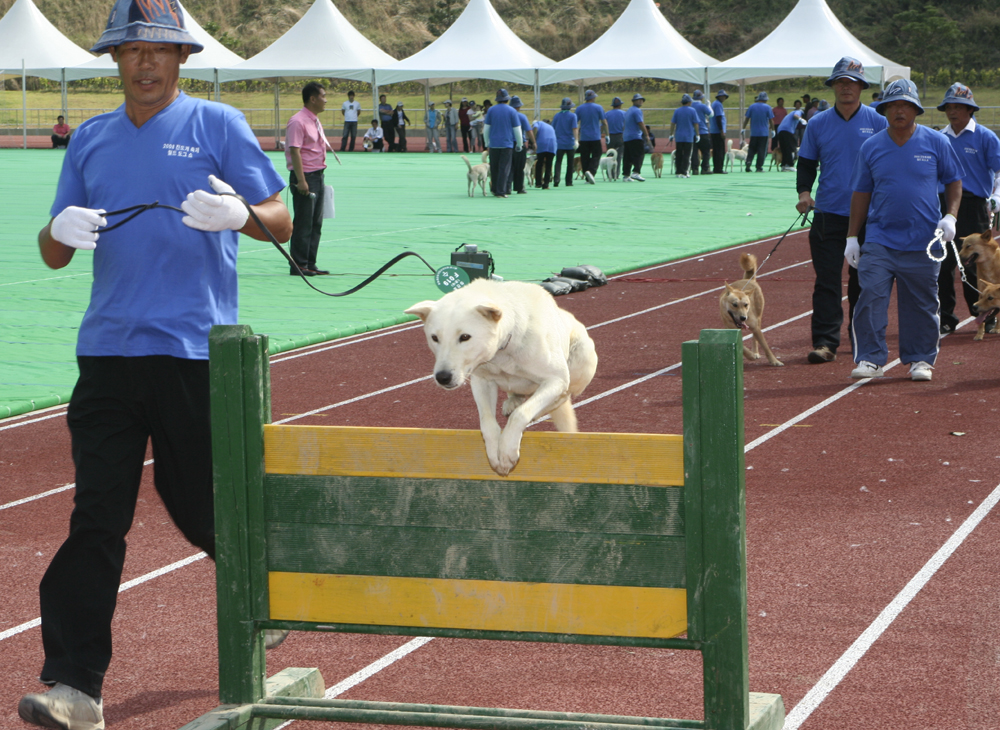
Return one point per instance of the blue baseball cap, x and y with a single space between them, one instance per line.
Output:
567 103
686 99
135 20
697 94
502 95
958 94
617 101
900 90
590 95
515 101
848 68
762 96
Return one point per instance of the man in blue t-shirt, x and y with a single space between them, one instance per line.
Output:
616 125
683 131
593 128
703 145
567 128
979 150
895 184
786 138
636 136
545 151
718 131
830 144
759 117
502 134
520 159
159 284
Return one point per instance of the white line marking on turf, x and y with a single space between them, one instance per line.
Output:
863 643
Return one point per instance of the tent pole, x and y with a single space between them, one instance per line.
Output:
375 114
24 104
65 104
277 116
218 94
538 97
708 86
743 95
579 93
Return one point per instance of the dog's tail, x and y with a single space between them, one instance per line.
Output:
486 155
469 164
748 262
729 145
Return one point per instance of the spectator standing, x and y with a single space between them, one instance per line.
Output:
450 126
567 140
779 116
831 145
760 119
895 184
431 121
812 109
545 151
385 117
60 133
635 136
718 128
796 106
463 123
305 157
399 122
373 137
350 110
615 119
593 128
502 134
703 143
475 125
683 130
876 98
520 159
979 151
484 110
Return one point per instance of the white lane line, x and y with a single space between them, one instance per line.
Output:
343 342
121 589
863 643
353 400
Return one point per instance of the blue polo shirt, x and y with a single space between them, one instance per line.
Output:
502 119
903 182
718 121
525 127
158 285
590 116
564 123
385 113
759 115
634 124
979 150
686 118
834 142
791 121
616 120
704 114
545 137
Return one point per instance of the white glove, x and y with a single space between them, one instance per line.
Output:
518 148
670 138
77 227
994 203
697 139
771 134
852 252
576 144
607 141
207 212
947 225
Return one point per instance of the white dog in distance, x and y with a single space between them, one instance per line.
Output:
509 336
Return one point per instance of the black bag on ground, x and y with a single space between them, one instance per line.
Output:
575 284
591 274
556 288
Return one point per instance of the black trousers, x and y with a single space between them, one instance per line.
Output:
682 157
569 155
786 142
973 217
635 153
590 155
60 141
466 137
389 132
118 405
307 223
543 169
718 152
700 155
517 163
758 147
827 241
500 164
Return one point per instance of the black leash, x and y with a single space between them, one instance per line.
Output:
139 209
805 222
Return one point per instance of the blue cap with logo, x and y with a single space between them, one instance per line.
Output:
848 68
958 94
502 95
900 90
567 104
150 21
515 101
617 101
762 96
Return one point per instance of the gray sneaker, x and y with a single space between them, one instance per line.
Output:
62 707
920 371
867 369
822 354
589 177
637 177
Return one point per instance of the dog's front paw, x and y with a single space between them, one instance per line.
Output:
512 403
777 363
508 454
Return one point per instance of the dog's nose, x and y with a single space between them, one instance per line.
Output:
443 377
743 318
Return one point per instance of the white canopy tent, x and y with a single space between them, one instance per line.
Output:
641 43
808 42
478 45
31 46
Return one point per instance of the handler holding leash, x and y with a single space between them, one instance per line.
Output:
832 141
160 283
979 150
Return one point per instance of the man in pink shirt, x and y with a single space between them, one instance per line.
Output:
305 152
60 133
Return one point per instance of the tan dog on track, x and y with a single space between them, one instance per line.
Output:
742 307
656 160
477 175
982 250
509 336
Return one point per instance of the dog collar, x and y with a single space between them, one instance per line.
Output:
506 343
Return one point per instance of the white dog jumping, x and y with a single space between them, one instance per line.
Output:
509 336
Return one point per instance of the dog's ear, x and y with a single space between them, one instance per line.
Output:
421 309
490 312
987 236
984 281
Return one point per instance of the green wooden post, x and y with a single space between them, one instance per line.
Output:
716 522
240 404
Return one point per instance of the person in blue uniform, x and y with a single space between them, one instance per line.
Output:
759 117
718 131
502 134
979 150
635 136
703 146
616 125
895 187
567 128
520 156
830 146
683 130
593 129
160 283
545 151
786 139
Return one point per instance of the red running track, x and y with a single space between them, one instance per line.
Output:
845 506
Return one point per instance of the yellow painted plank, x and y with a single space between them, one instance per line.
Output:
479 605
546 456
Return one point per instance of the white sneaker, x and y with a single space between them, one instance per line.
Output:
589 177
920 371
626 179
867 369
681 175
637 177
787 168
62 707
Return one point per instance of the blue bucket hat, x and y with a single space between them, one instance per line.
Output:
900 90
590 95
567 104
698 95
848 68
638 97
762 96
958 94
515 101
617 101
502 95
823 105
686 99
134 20
721 94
